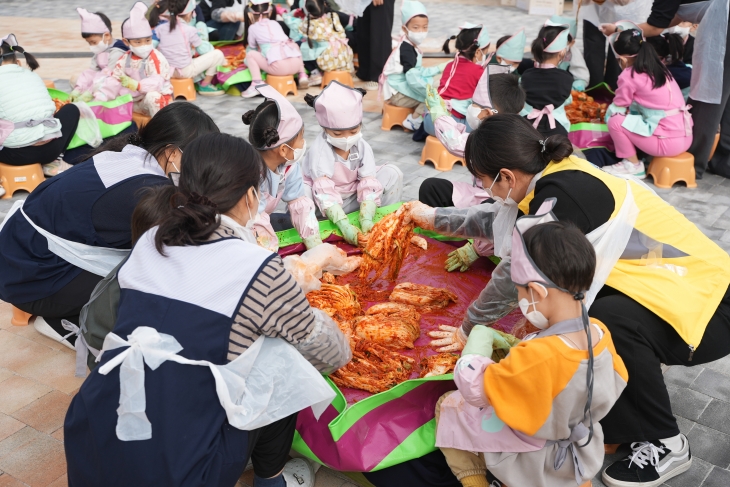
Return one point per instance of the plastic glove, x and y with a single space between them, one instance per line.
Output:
86 97
313 241
450 339
74 95
579 85
502 343
436 105
337 215
129 83
422 215
480 342
367 212
461 258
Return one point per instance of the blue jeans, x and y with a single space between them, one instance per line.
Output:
226 30
430 130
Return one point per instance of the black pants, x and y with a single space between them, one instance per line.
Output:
43 154
428 471
436 192
373 39
602 67
707 117
269 446
66 304
644 342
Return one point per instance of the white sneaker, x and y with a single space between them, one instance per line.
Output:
303 82
412 123
371 85
299 472
627 168
650 464
55 168
42 327
315 78
251 90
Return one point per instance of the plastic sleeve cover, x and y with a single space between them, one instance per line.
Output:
325 193
326 348
473 222
495 301
452 134
369 189
303 217
469 379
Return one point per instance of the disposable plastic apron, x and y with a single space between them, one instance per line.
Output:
97 260
709 52
268 382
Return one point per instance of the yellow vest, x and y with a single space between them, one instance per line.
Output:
687 302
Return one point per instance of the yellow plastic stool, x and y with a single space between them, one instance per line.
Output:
342 76
20 317
393 115
14 178
140 119
669 170
435 152
282 84
184 88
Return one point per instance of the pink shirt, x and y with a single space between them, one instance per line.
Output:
175 45
638 87
268 37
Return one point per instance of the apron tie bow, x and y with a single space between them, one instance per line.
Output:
81 346
537 115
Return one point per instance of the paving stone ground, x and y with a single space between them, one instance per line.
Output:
36 374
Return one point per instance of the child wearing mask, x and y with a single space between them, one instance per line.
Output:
461 75
277 132
511 52
143 71
325 45
177 38
403 80
532 417
269 49
96 82
548 87
574 62
648 111
340 174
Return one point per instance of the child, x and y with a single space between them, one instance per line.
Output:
670 48
547 87
403 80
532 418
277 133
324 43
177 37
339 170
658 121
95 82
573 62
497 92
31 131
462 74
143 71
511 52
270 49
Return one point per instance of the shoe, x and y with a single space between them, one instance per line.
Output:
315 78
209 90
55 168
303 82
251 90
42 327
626 168
650 464
2 190
412 123
299 472
371 85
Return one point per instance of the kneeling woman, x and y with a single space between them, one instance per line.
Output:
233 349
75 228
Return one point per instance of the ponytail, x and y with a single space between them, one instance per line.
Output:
445 47
544 38
631 43
264 121
466 42
669 47
10 52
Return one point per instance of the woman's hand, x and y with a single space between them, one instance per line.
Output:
608 29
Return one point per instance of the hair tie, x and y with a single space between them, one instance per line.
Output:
199 199
544 39
579 296
135 139
543 143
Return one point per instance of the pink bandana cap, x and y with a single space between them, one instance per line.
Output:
91 23
290 123
338 107
137 26
481 94
524 270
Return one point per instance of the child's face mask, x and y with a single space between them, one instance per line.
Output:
416 37
472 115
298 154
100 46
344 143
142 51
535 317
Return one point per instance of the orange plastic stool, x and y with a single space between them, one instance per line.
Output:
610 448
435 152
20 317
342 76
669 170
14 178
183 87
393 115
282 84
49 83
714 146
140 119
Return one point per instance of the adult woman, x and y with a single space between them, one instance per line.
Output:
710 86
661 286
198 291
73 229
373 40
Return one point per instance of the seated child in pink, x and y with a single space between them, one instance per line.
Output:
143 71
340 174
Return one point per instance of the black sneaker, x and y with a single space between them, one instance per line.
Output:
651 463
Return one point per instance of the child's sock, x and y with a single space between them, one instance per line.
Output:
674 443
277 481
475 481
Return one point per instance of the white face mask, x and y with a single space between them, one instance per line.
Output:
506 201
535 317
344 143
472 116
417 37
298 154
142 51
682 31
100 47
